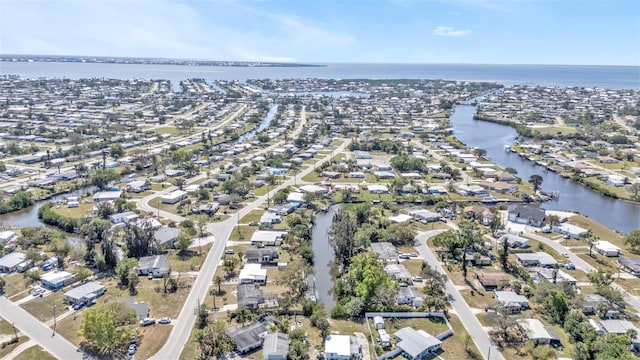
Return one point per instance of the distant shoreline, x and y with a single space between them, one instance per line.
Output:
146 61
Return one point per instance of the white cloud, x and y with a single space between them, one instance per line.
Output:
448 31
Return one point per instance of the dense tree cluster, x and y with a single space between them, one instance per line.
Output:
50 217
107 329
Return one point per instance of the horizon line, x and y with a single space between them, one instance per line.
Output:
317 63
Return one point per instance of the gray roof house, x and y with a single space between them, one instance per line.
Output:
528 215
261 255
141 309
84 292
276 346
386 250
632 265
166 236
409 295
249 295
512 301
621 327
10 262
398 271
157 265
536 259
416 345
248 337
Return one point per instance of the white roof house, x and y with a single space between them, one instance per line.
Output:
416 344
54 280
606 248
314 189
253 273
7 236
84 291
267 238
10 262
173 197
535 331
339 347
377 189
106 196
511 300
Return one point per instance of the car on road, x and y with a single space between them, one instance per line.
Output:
570 266
164 320
132 349
565 255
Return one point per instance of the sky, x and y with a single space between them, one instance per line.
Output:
572 32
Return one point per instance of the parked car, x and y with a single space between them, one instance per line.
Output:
416 279
164 320
253 223
229 252
570 266
39 292
148 321
78 306
132 349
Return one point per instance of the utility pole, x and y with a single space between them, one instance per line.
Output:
54 318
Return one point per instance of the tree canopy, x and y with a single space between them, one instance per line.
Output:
108 328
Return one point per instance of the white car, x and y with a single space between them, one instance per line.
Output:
565 255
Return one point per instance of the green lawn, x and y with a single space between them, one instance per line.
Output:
253 215
77 212
5 327
14 284
43 308
35 352
192 262
7 350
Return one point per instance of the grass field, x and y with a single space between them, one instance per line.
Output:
35 352
77 212
7 350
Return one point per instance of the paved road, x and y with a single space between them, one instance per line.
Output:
186 319
37 331
585 266
462 309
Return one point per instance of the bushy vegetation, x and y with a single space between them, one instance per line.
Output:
50 217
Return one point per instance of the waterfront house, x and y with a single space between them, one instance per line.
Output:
632 265
253 274
525 214
261 255
101 196
263 238
607 249
572 231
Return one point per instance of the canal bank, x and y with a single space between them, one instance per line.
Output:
618 215
323 256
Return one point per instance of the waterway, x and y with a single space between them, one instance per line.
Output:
323 255
271 114
619 215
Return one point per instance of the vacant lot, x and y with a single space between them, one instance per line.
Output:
35 352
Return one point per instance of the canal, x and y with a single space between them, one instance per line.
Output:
619 215
323 256
273 110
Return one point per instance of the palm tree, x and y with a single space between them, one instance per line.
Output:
218 280
536 181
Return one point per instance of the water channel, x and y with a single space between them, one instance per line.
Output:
273 110
323 256
619 215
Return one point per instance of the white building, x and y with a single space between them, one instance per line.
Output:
174 197
606 248
342 347
253 274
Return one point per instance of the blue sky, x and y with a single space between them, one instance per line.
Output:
593 32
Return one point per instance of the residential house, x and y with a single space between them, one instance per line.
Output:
572 231
511 301
85 292
491 281
55 280
250 296
398 271
8 236
632 265
409 295
101 196
275 346
261 255
123 217
253 274
174 197
386 251
263 238
269 218
515 241
342 347
425 215
10 262
249 337
417 344
537 332
607 249
377 189
556 276
156 265
595 304
166 236
141 309
621 327
525 214
536 259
